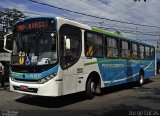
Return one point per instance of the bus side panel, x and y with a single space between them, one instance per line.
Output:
91 65
118 71
149 69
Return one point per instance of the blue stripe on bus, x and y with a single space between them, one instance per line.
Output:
114 72
34 76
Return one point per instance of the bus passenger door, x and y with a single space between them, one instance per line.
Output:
70 52
69 80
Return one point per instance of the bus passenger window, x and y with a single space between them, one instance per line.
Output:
141 47
134 51
112 47
125 49
152 52
147 50
93 45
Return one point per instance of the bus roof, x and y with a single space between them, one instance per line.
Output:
75 23
68 21
95 29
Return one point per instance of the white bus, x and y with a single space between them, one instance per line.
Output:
57 56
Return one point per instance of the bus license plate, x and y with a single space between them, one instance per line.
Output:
23 88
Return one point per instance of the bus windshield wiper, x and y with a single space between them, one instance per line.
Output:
37 35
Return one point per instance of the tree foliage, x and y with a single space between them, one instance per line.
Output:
8 17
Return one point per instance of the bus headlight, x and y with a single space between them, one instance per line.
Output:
46 79
12 78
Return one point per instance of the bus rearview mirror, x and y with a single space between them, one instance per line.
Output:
6 37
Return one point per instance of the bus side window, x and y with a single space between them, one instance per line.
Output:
147 50
112 47
134 51
93 44
141 47
125 49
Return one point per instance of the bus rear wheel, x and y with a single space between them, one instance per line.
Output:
141 78
91 88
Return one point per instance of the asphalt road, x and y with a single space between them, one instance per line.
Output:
127 99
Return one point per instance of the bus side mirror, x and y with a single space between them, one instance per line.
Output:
6 37
67 43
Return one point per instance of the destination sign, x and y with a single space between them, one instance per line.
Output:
35 25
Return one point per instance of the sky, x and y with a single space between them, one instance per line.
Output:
144 13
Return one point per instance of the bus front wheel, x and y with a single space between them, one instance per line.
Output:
91 88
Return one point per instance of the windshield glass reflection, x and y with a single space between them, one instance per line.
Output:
35 49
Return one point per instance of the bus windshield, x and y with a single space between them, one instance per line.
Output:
34 49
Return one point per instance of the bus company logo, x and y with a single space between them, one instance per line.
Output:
112 65
35 76
21 27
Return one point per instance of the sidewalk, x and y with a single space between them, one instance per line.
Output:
7 86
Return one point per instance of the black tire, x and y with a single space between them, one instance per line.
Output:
141 79
91 88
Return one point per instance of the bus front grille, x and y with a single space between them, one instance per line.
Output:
32 90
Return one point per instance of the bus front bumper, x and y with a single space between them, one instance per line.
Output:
50 88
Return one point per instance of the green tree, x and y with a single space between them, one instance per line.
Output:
8 17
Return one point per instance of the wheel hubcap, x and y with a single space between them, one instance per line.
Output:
93 87
141 80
